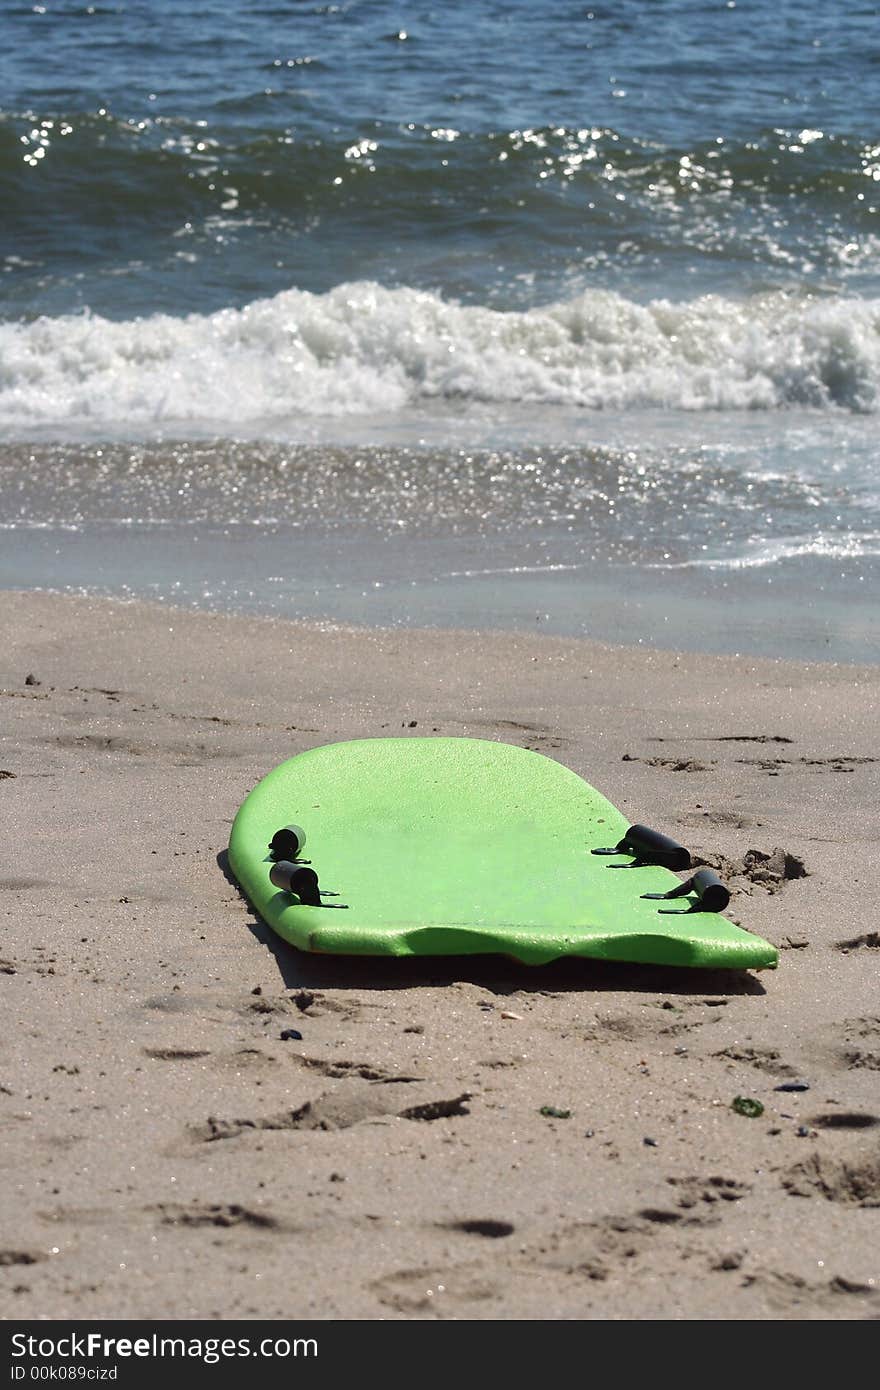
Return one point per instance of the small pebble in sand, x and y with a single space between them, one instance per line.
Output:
291 1035
731 1261
508 1013
650 1143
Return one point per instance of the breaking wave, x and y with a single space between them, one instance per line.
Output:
362 348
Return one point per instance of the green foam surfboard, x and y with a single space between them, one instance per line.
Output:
459 846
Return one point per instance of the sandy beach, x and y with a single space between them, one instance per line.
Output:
158 1162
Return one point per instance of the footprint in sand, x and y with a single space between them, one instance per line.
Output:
858 1033
218 1214
870 939
764 1058
340 1109
790 1294
433 1290
342 1067
691 1191
853 1182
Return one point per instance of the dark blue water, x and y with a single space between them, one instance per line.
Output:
646 232
160 156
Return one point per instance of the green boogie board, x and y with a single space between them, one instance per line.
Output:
458 846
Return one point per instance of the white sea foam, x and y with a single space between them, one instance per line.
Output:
365 349
770 550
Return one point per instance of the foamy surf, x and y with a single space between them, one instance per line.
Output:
765 552
363 349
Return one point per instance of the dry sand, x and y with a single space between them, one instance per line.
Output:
154 1163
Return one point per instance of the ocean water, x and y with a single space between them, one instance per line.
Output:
481 313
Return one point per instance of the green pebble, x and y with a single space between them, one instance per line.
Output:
744 1105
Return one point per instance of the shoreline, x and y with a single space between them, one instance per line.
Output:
447 586
676 541
145 999
447 633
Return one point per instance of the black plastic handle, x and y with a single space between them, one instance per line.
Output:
298 879
651 847
712 893
288 843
